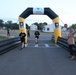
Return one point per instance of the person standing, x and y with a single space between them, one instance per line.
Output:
71 42
36 33
8 32
28 33
22 36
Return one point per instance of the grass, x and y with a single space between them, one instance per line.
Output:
64 34
3 37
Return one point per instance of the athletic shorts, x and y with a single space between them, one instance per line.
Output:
37 37
22 40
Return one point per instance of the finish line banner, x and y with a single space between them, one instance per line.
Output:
38 11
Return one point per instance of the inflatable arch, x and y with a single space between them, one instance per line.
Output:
41 11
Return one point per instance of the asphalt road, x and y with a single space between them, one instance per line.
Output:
46 58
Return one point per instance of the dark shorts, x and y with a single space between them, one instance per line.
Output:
22 40
37 37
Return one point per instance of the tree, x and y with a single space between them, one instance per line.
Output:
15 26
8 24
36 24
45 23
73 26
1 23
41 25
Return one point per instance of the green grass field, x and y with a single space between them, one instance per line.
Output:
3 37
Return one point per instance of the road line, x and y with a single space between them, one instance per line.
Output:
36 45
26 45
46 45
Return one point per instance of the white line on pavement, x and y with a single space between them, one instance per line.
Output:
46 45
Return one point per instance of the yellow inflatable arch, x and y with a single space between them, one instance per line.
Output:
41 11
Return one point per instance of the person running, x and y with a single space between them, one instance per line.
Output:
22 36
71 42
36 33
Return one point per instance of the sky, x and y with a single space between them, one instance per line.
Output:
65 9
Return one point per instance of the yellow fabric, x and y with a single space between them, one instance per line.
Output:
21 19
57 33
23 29
56 19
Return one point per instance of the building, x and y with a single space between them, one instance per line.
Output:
49 28
33 27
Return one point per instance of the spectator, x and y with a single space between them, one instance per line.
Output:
8 32
71 42
28 33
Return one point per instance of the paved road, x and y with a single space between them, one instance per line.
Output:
44 59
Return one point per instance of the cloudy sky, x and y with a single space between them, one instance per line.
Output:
65 9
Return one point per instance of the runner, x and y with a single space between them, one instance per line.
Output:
36 33
22 38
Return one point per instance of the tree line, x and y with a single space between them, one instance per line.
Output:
73 26
40 25
8 25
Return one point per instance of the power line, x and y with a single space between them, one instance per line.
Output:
62 21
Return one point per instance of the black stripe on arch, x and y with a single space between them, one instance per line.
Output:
26 13
50 13
47 11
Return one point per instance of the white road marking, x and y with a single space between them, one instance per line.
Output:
36 45
26 45
46 45
57 45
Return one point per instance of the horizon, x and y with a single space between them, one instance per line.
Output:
31 21
64 9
